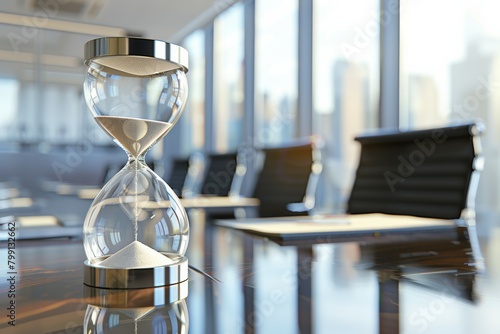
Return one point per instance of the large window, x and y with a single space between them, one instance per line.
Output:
9 89
345 86
49 113
276 70
449 73
431 55
192 121
41 89
228 79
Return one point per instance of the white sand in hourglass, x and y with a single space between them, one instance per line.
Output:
136 255
135 135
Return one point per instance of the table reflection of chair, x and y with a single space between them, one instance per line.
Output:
285 186
217 195
446 264
413 198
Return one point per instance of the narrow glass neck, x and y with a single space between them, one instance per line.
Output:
139 159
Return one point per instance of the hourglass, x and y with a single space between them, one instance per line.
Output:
136 231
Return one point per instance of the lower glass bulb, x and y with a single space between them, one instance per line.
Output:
136 221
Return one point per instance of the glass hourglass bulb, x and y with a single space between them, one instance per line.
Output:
136 90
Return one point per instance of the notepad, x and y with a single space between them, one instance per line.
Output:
31 221
339 226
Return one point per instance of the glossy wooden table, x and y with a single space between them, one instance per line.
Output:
399 248
269 289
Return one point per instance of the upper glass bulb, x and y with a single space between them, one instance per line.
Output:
135 88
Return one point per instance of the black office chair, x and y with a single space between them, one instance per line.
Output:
286 184
219 174
426 173
178 175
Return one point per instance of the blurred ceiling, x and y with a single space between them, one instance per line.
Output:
53 32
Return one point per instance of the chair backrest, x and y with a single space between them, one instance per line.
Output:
286 183
219 174
427 173
178 174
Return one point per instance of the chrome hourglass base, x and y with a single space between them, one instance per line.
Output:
135 278
131 298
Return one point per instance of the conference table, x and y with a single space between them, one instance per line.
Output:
255 282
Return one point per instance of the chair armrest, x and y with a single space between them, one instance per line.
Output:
298 207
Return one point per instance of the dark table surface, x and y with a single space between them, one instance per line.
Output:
265 288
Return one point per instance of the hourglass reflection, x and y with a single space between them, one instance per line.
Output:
167 319
136 231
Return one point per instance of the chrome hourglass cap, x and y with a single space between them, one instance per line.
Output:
136 56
